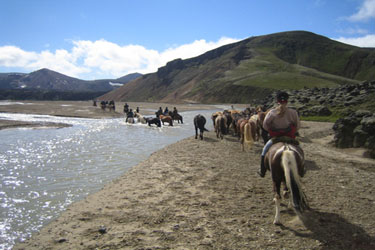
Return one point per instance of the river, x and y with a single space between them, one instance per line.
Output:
44 170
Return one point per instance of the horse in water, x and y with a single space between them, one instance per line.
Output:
130 120
140 118
176 117
155 121
286 162
199 122
166 118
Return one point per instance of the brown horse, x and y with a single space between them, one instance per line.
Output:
220 126
241 131
261 116
249 134
166 118
215 115
286 162
256 126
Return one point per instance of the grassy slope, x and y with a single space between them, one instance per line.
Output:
255 67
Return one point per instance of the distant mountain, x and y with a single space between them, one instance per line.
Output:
253 68
45 79
13 85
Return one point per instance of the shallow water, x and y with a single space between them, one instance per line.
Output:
42 171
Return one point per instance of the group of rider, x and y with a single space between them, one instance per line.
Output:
166 111
280 121
130 114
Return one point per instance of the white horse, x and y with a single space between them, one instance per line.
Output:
130 120
140 118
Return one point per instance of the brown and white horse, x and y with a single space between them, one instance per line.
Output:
214 116
166 118
286 162
140 118
249 134
220 126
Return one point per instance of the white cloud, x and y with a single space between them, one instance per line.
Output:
365 12
11 56
365 41
353 31
103 59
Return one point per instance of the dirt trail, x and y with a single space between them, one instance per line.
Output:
206 195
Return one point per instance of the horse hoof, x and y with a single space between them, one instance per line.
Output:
277 223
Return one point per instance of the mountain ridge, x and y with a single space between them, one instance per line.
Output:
253 67
46 79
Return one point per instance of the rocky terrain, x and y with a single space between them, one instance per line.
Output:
353 102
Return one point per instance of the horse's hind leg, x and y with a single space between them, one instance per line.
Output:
276 187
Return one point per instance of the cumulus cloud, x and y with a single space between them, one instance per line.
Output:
365 41
103 59
365 12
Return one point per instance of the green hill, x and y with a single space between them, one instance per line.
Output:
253 68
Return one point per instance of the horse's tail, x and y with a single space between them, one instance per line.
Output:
293 181
223 126
248 138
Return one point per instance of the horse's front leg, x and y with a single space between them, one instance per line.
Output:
196 133
276 189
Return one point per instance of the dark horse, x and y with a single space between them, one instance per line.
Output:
286 162
199 122
155 121
175 116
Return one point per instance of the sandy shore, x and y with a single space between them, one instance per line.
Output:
206 195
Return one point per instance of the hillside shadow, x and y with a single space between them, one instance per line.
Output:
334 232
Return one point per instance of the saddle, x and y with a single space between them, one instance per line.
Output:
285 139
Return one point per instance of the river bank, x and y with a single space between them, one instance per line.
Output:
206 195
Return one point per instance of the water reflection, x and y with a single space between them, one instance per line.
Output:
42 171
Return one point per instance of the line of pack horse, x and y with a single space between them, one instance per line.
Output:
247 125
285 159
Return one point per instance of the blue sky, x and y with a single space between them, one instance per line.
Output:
92 39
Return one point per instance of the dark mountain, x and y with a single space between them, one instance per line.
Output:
253 68
46 83
128 78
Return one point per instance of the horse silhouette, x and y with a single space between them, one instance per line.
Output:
199 122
